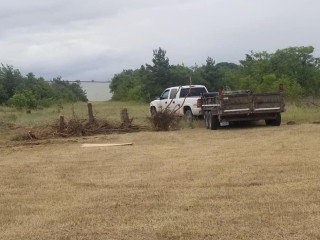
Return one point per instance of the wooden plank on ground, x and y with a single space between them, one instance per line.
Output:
104 144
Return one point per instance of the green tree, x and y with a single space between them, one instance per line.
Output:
127 86
180 75
197 76
295 66
39 87
225 70
67 92
159 77
211 75
3 94
24 100
9 80
299 64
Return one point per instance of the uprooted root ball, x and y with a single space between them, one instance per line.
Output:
164 121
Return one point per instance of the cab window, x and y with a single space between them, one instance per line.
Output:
173 93
165 94
197 91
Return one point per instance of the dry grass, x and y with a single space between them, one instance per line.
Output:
109 110
240 183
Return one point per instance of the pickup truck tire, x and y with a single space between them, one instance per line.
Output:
153 111
277 121
213 122
188 116
274 122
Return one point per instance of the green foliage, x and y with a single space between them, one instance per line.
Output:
295 67
24 100
293 90
299 64
179 75
127 86
9 81
158 74
66 92
31 92
46 102
3 94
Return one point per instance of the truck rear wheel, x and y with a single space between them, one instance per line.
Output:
274 122
188 116
213 122
277 121
268 122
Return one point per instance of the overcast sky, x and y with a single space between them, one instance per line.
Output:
93 40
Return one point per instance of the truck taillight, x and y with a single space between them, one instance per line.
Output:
220 91
199 103
281 87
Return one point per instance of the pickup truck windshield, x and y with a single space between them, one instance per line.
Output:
195 92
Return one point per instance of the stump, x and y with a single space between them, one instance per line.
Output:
61 124
90 112
126 122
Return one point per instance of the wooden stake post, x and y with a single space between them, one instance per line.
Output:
126 122
61 125
90 112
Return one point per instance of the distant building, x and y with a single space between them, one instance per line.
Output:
96 91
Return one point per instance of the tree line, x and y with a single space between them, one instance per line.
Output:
29 92
295 67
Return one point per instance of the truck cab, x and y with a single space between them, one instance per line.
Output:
181 100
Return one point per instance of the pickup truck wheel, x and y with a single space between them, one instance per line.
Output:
188 116
277 121
213 122
153 111
274 122
268 122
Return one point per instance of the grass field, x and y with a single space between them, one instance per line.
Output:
249 182
107 110
111 111
241 183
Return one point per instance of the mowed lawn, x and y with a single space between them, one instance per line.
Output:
253 182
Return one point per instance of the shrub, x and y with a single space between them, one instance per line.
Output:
23 100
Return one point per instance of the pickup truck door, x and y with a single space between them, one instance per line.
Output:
168 99
164 100
173 99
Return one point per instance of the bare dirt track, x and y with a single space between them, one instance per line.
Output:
236 183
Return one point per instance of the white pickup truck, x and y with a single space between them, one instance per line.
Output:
183 100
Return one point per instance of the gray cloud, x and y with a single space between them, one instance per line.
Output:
95 39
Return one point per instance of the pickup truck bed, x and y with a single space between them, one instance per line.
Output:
222 108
